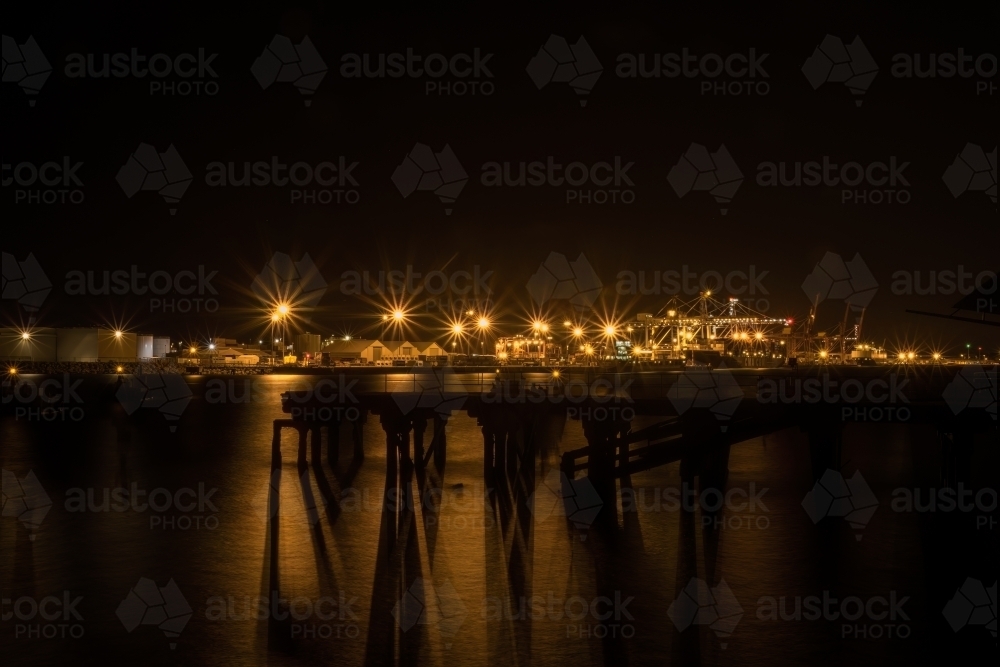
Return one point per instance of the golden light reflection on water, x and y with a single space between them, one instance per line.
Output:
480 564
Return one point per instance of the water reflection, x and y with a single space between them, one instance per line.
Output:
306 566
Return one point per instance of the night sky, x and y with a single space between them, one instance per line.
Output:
509 231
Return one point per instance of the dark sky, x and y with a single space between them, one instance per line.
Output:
508 231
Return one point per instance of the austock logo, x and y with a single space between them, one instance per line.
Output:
835 496
149 604
24 281
471 71
326 182
686 281
874 182
733 75
558 62
49 617
323 617
973 387
182 509
44 399
715 390
558 279
24 500
52 182
267 506
295 282
25 65
438 389
165 173
835 62
701 604
559 495
166 392
423 169
700 171
198 293
974 170
575 177
833 278
872 400
284 62
973 604
182 75
860 618
948 65
425 603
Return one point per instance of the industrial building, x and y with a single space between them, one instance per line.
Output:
79 344
355 350
308 345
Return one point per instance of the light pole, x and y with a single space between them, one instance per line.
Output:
483 324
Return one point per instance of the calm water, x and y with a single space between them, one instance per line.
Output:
465 565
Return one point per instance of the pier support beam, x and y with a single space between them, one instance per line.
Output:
303 435
398 476
439 442
419 428
825 445
333 442
358 436
605 439
316 444
956 458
